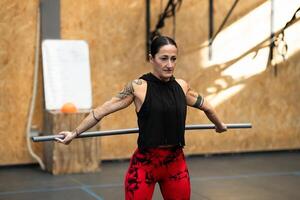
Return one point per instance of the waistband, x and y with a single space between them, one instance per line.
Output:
159 150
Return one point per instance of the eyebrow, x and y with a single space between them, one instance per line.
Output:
164 55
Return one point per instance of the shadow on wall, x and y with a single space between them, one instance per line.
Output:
239 55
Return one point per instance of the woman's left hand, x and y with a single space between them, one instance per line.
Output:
221 128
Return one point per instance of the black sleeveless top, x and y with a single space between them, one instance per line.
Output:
161 119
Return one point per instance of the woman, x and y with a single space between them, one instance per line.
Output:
160 101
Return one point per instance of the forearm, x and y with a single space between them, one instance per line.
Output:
123 99
97 114
86 124
212 116
200 103
210 113
89 121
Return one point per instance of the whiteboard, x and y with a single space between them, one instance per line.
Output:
66 73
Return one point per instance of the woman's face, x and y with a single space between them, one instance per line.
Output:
164 62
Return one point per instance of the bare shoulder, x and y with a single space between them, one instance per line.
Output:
185 86
138 82
130 88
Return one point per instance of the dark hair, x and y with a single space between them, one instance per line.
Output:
160 41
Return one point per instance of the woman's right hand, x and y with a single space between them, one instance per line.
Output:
69 136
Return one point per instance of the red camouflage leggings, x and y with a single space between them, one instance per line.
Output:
165 166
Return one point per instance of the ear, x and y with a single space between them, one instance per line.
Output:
150 58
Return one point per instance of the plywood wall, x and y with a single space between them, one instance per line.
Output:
17 48
117 53
115 32
266 101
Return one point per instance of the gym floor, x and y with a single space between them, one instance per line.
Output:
247 176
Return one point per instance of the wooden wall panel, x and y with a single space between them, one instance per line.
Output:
269 102
115 32
17 47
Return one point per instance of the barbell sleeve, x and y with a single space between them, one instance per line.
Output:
135 130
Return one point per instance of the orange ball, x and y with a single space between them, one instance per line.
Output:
68 108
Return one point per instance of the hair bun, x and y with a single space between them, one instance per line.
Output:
155 35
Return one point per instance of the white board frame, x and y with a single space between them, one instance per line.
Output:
66 73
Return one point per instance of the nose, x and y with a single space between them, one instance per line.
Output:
170 64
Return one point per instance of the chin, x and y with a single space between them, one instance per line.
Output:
168 74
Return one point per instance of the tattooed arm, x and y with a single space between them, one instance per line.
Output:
196 100
122 100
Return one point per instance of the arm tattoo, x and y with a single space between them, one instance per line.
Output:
95 116
198 102
127 91
138 81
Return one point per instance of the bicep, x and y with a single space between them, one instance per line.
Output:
194 99
122 100
115 104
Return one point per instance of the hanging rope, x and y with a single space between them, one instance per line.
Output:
278 46
170 11
224 21
279 41
212 36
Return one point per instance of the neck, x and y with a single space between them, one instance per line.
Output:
160 78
